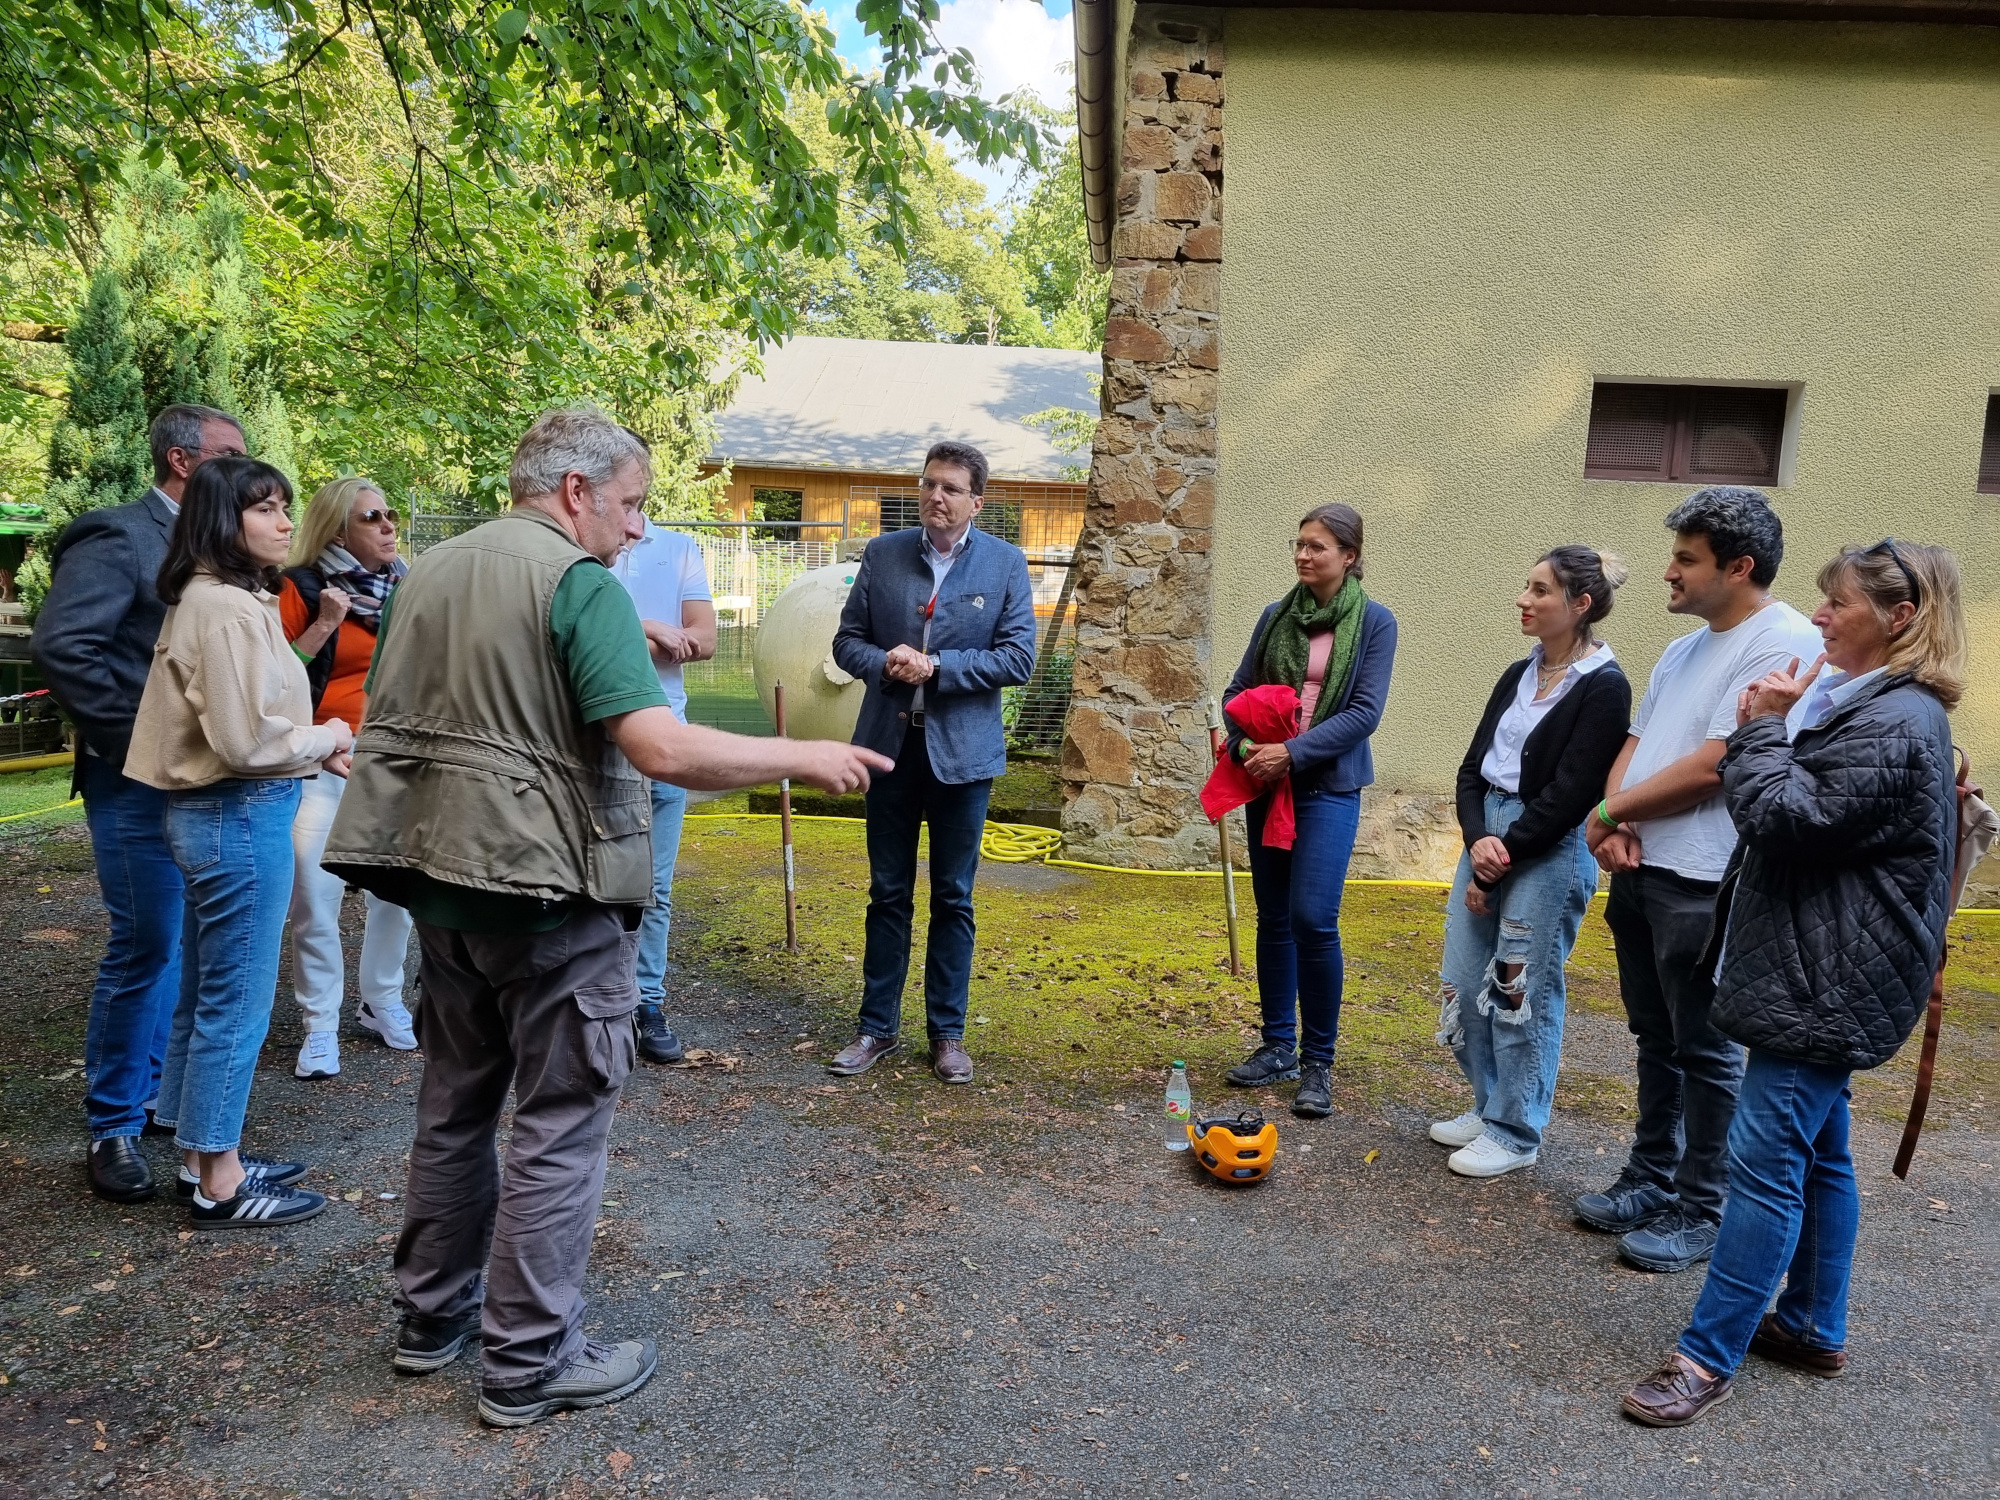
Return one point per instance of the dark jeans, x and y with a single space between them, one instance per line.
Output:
1688 1071
549 1015
139 977
1298 892
1793 1214
898 805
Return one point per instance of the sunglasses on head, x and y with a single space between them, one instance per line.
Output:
374 515
1888 545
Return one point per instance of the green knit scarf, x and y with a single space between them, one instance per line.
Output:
1283 652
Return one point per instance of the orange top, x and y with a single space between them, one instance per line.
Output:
352 652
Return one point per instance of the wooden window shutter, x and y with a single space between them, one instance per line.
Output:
1989 450
1733 435
1632 429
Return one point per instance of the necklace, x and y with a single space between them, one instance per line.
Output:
1549 671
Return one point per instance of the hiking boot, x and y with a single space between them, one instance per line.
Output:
1272 1063
597 1377
861 1054
257 1205
118 1171
391 1022
1675 1241
1626 1205
282 1173
1314 1099
1489 1156
657 1042
1675 1394
1773 1343
425 1345
1462 1131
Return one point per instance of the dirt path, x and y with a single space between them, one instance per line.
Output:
881 1288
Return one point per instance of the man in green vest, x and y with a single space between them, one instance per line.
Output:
499 792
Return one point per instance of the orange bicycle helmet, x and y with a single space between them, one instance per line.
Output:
1238 1151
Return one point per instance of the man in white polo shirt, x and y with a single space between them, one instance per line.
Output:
664 574
1664 834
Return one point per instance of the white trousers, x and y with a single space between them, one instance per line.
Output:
318 967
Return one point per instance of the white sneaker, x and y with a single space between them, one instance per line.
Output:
391 1022
1463 1131
319 1057
1489 1157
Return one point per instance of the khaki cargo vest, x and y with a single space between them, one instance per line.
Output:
473 765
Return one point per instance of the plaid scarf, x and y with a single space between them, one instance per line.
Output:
366 591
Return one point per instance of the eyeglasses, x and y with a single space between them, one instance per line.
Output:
1888 545
955 491
374 517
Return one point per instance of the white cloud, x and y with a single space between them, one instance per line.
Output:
1015 42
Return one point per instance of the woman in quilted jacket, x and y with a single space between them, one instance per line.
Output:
1840 783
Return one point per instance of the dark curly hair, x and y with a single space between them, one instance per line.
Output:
1738 522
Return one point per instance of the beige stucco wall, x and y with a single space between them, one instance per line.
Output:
1441 228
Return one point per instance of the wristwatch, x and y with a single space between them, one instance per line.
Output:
936 661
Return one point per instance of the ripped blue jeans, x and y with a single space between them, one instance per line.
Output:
1503 994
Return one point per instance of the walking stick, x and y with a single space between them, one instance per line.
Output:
785 833
1217 744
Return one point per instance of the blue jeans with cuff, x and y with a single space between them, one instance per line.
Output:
139 977
899 804
1508 1036
1793 1215
1300 969
669 809
233 843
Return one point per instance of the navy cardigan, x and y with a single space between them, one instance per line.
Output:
1333 755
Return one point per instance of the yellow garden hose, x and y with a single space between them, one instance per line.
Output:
37 812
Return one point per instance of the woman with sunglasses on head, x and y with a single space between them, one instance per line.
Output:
225 729
344 565
1840 781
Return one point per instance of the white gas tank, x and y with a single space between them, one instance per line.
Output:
795 647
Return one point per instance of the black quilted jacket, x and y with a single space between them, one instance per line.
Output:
1841 879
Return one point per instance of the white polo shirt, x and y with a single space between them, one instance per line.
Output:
662 571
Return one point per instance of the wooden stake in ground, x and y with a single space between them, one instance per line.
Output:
1218 743
785 832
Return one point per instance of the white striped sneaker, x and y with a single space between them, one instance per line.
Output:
258 1204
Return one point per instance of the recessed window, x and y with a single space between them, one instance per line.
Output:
1989 449
1704 434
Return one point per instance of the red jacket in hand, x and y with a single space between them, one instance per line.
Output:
1266 715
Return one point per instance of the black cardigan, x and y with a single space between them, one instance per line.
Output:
1563 765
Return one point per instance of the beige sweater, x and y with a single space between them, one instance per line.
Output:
227 696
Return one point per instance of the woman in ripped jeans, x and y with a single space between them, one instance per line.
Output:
1551 730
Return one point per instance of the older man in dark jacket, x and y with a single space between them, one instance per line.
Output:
94 644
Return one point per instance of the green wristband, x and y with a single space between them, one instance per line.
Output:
1604 814
301 655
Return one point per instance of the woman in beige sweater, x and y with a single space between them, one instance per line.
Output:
226 729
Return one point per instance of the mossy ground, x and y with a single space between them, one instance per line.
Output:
1094 982
36 792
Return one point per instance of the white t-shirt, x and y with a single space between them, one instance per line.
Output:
1502 763
662 571
1692 698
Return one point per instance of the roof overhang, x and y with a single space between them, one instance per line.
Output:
1095 24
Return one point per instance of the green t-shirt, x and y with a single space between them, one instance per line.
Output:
603 651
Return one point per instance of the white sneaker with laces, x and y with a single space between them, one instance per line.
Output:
1489 1156
1462 1131
391 1022
319 1057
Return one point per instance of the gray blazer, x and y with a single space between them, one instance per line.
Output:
94 637
982 632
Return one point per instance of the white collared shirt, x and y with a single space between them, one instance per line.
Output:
1829 691
940 564
662 571
1502 763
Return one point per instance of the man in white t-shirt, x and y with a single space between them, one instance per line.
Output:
1665 836
664 574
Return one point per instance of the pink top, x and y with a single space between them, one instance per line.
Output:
1319 652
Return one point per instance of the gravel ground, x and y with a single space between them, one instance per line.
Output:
881 1287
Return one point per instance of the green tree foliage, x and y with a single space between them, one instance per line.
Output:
1049 246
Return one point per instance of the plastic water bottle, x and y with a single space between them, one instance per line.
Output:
1180 1108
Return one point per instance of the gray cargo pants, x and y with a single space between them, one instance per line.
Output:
549 1014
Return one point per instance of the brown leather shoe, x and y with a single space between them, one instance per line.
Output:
950 1061
1773 1343
1675 1394
861 1054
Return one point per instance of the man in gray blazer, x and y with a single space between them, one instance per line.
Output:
94 644
941 617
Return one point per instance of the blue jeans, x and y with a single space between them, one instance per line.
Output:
1298 890
898 805
139 977
1793 1213
669 808
233 843
1508 1037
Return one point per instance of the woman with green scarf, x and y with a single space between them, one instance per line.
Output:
1333 644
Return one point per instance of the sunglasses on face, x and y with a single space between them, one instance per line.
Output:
375 515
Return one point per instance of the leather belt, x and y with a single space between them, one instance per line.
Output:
916 718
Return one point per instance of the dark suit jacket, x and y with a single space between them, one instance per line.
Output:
94 637
982 632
